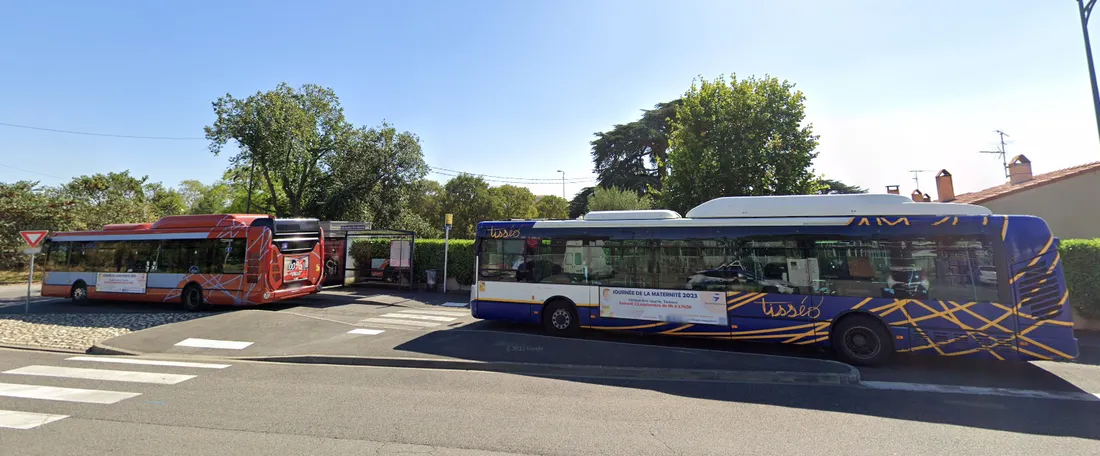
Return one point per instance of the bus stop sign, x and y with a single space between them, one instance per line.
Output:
33 237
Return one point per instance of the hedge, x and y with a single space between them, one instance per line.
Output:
427 254
1081 267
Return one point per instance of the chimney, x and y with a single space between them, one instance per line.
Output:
927 198
893 190
917 196
945 187
1019 170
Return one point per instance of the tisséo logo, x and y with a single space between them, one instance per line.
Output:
296 266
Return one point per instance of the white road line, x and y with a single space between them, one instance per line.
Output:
443 313
53 393
369 332
101 374
26 420
419 317
210 343
147 362
391 321
130 376
981 391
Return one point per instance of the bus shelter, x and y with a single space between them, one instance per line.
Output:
393 266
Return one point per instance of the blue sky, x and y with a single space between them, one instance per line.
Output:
517 88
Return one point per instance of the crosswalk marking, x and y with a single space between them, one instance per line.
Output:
101 374
210 343
443 313
54 393
391 321
419 317
26 420
369 332
147 362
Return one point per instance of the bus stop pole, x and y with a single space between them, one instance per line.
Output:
446 247
30 278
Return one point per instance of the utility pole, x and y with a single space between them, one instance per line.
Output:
251 170
1004 156
1085 9
562 184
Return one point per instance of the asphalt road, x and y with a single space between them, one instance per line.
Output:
255 408
352 305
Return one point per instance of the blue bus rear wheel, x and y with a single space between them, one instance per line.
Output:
862 340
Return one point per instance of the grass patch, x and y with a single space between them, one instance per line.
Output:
15 277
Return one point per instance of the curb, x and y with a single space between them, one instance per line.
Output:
574 370
100 349
43 349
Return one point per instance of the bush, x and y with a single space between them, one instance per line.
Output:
427 254
1081 267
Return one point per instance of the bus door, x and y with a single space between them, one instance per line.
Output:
771 294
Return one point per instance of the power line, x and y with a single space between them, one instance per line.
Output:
437 170
85 133
575 180
32 172
509 181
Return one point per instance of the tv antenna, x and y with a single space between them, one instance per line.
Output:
916 176
1004 157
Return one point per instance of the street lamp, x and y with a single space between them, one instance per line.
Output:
563 179
1086 11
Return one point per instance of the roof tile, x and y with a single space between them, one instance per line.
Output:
1007 188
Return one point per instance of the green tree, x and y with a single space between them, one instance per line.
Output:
201 198
634 156
103 199
164 201
578 206
24 205
468 198
236 181
372 179
424 212
739 138
617 199
835 187
512 202
287 134
552 207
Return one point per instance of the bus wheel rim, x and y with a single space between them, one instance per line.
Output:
862 342
561 319
79 293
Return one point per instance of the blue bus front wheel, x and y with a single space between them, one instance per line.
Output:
559 318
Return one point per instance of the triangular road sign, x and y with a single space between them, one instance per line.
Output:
35 237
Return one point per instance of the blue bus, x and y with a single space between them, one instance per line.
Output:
867 275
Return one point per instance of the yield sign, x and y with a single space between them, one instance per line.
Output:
34 238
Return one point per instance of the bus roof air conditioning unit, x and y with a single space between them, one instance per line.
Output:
825 206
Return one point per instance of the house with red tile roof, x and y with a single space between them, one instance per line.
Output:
1068 199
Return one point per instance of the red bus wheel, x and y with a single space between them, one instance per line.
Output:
192 298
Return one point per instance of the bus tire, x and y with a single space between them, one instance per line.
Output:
862 340
79 292
559 318
192 299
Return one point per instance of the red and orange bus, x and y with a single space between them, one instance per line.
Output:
192 260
